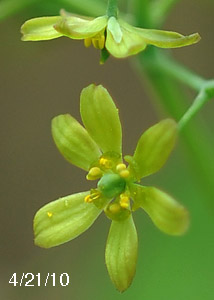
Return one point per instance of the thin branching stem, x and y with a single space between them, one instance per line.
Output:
206 93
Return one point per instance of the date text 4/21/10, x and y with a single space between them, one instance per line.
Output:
29 279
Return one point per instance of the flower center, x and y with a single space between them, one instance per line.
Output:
111 185
111 193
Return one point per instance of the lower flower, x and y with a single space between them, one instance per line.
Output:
97 149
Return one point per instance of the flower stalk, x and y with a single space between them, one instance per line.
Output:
112 8
205 94
173 69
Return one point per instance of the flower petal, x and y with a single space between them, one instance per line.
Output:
74 142
80 28
100 117
153 148
64 219
114 28
130 44
166 213
39 29
167 39
121 253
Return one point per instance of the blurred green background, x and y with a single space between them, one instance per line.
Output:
41 80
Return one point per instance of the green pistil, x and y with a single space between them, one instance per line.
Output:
111 185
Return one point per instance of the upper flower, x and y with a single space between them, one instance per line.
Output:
97 148
119 38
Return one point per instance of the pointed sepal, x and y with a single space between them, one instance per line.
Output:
74 142
100 118
166 213
121 253
153 148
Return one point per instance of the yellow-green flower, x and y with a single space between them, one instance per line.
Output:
119 38
97 148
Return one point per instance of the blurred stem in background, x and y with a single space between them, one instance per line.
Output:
10 7
89 7
159 10
163 75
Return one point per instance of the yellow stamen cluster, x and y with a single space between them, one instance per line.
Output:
98 41
92 196
124 201
122 170
106 163
94 173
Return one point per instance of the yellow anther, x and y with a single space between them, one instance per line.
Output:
124 173
87 42
98 41
95 196
124 201
50 214
104 162
88 199
120 167
92 196
114 208
94 173
101 42
95 43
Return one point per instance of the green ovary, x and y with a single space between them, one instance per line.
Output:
111 185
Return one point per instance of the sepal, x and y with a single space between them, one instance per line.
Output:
100 118
153 148
39 29
63 220
121 252
166 213
74 142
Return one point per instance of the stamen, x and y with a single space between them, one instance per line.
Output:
102 42
94 173
104 162
95 43
88 199
95 195
120 167
98 41
124 173
87 42
124 201
92 196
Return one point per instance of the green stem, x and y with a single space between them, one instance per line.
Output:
112 8
176 71
198 103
